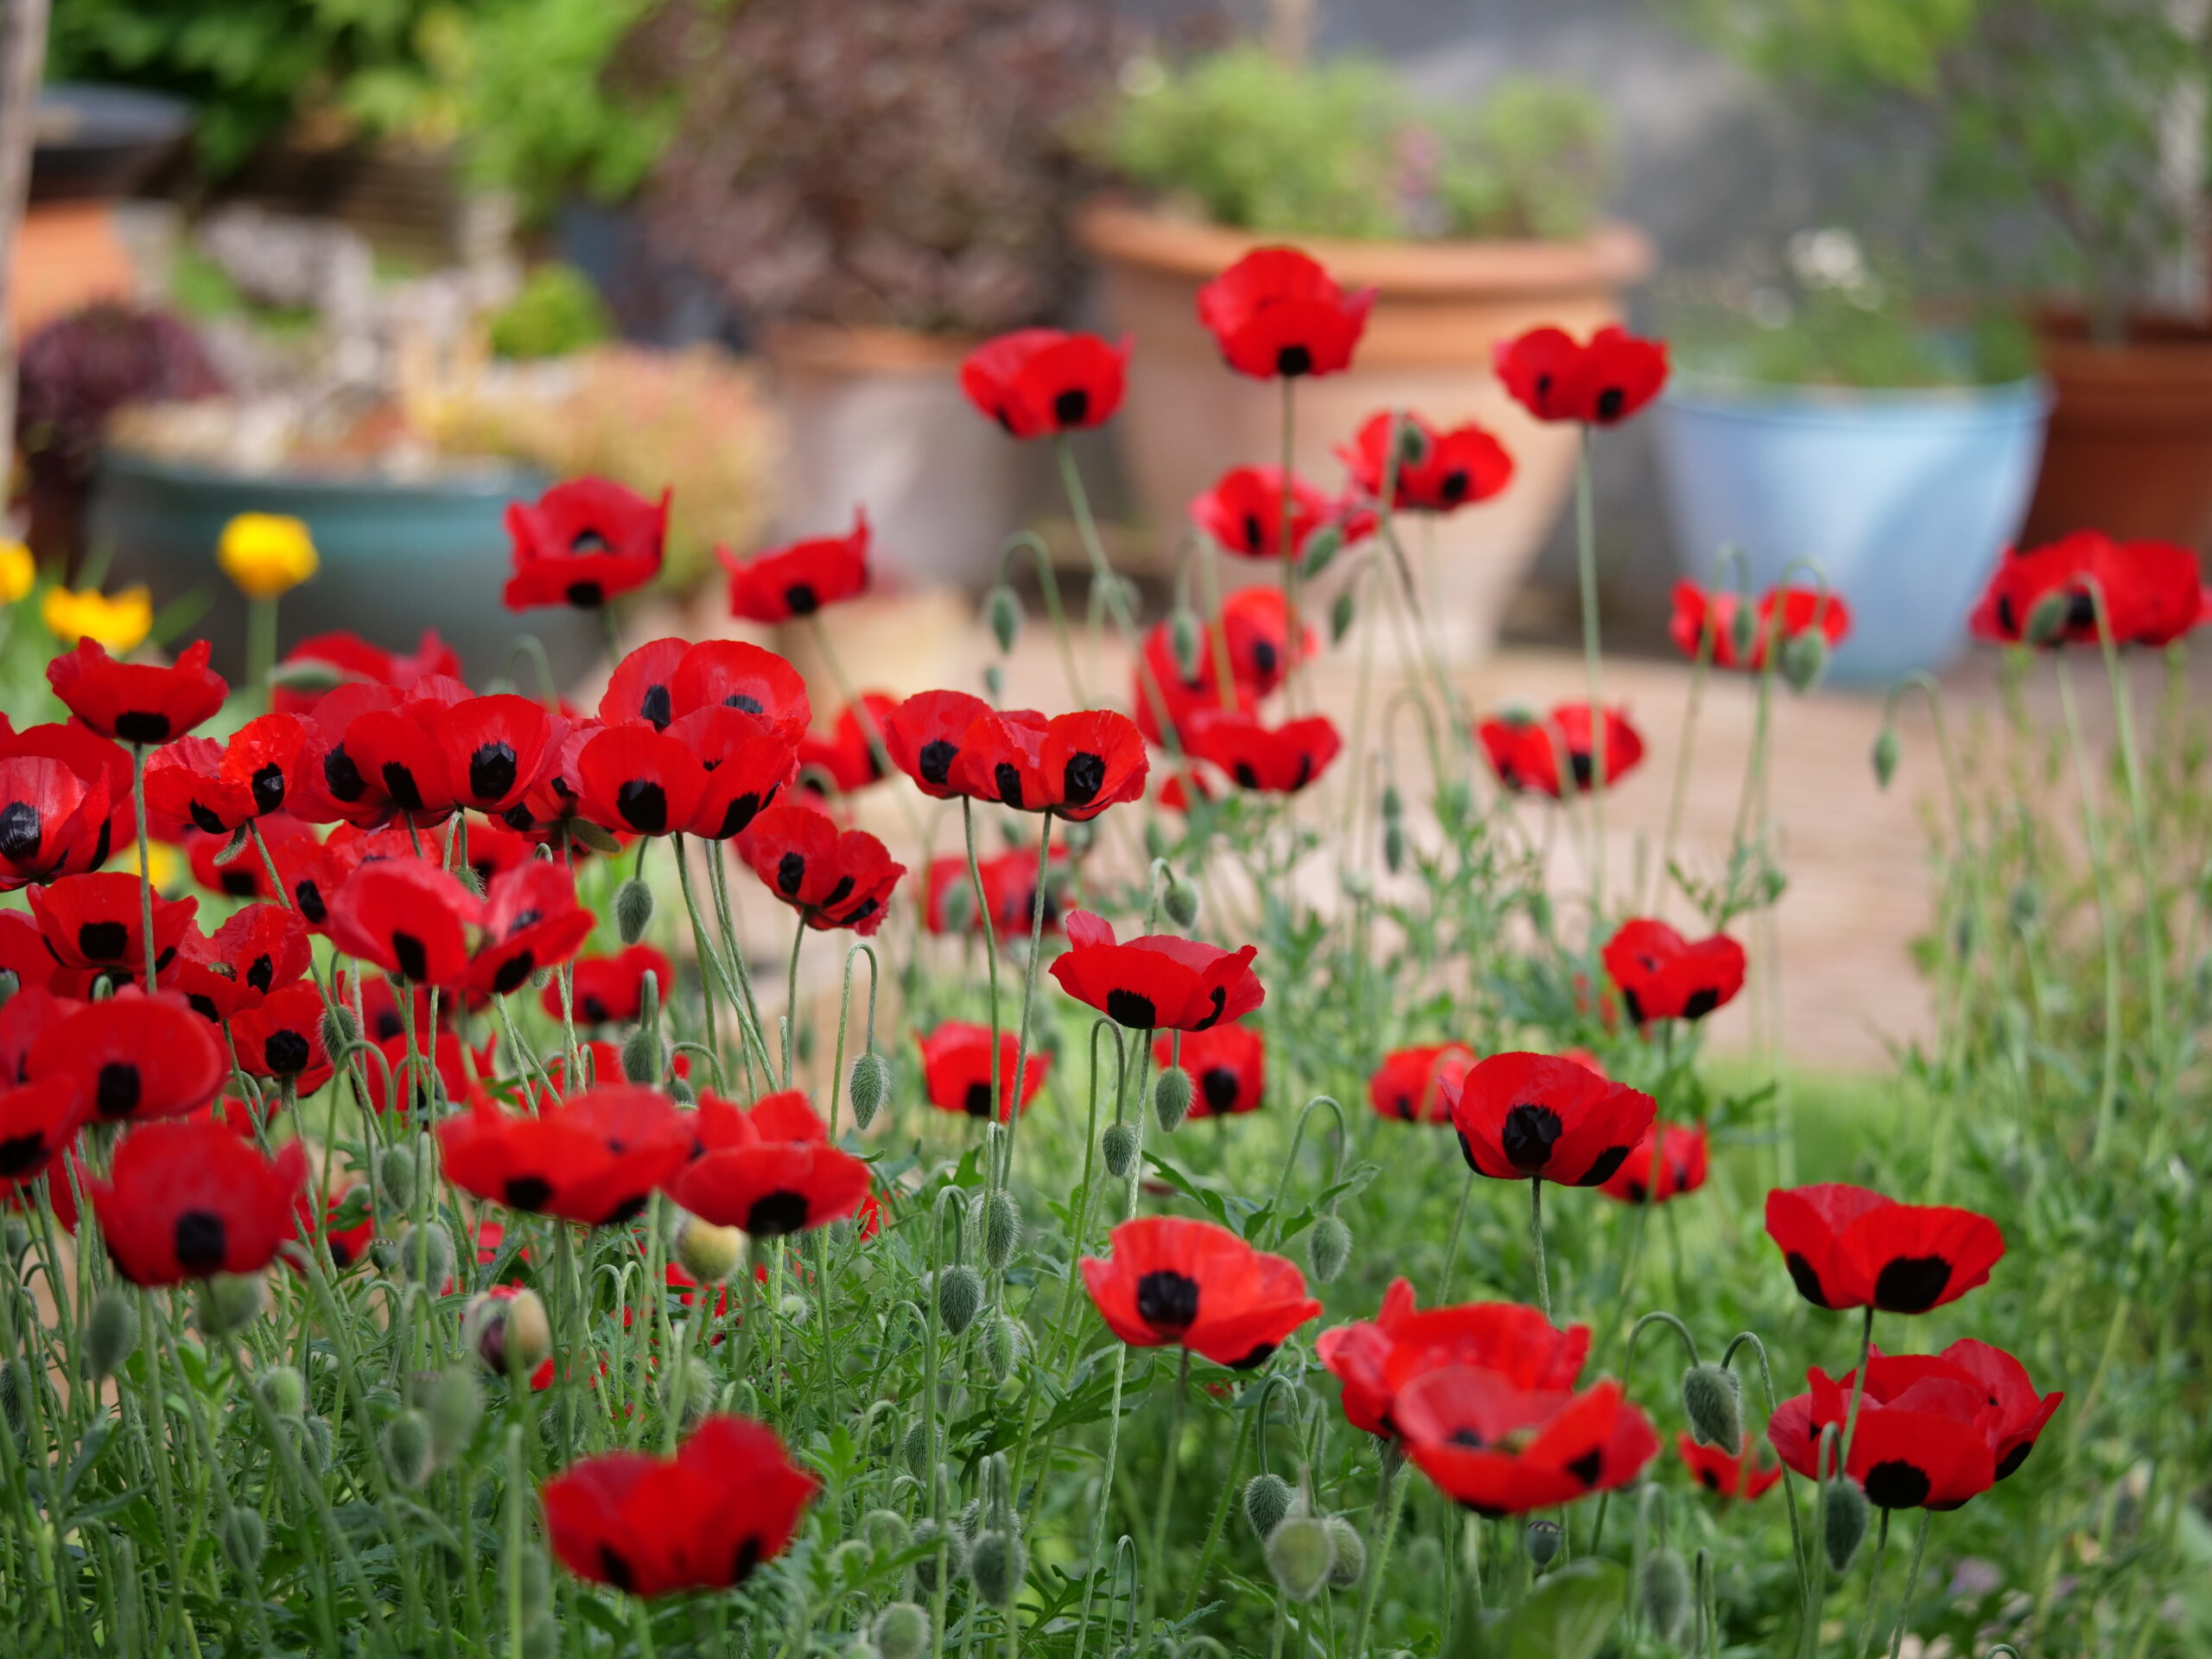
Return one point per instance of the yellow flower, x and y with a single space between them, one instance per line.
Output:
120 624
164 865
266 554
18 571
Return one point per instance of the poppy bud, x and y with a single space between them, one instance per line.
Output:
2047 619
1342 614
902 1630
1321 549
1846 1521
541 1639
795 1309
861 1648
310 1440
1155 839
229 1302
2024 907
1002 610
1327 1247
1713 1401
688 1392
634 909
1394 846
1182 903
641 1057
1804 659
509 1334
1004 1343
1171 1098
338 1028
1001 1228
870 1083
1350 1563
1186 639
888 1534
947 1554
406 1441
1744 632
1356 884
997 1565
1118 1145
1300 1556
994 681
1078 837
245 1537
1663 1591
112 1333
15 1395
1393 803
916 1447
1412 443
1542 1541
282 1390
681 1091
1267 1500
1886 751
709 1253
959 1296
454 1408
426 1253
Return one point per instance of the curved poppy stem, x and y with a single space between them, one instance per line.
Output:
145 859
1536 1236
1452 1244
1048 582
1788 1485
1290 1160
1382 1528
790 1001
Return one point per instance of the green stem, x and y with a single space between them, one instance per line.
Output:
145 858
1586 546
790 1001
1873 1586
2093 833
1536 1236
1156 1574
1382 1528
1911 1581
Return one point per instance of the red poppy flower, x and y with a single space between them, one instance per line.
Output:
1408 1085
728 1500
136 1056
1925 1436
1037 383
319 1221
495 747
1847 1247
1801 610
847 756
1277 312
1525 753
1542 1117
54 820
451 1059
610 990
306 871
1167 700
1743 1475
1663 976
593 1159
1171 1282
24 952
136 703
769 1170
324 661
2016 1413
1446 471
1158 982
95 921
957 1070
1600 383
800 579
1668 1162
632 778
186 1201
1072 766
746 762
280 1038
1227 1066
88 756
25 1017
262 948
491 848
2010 1413
583 543
38 1123
1010 888
532 920
1256 623
730 673
411 918
2154 592
642 685
1275 760
1498 1448
923 735
835 878
1375 1359
1243 513
218 788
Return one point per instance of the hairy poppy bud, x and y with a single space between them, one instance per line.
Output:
426 1253
311 1441
1118 1145
455 1406
509 1333
1002 612
994 681
1744 632
861 1648
641 1057
681 1091
338 1028
1342 614
916 1447
959 1296
997 1565
406 1441
1713 1401
15 1395
1356 884
229 1302
870 1083
395 1167
1182 903
244 1536
709 1253
1321 549
1663 1591
1187 639
1846 1521
1300 1556
1267 1500
1542 1541
1155 839
1413 442
1394 846
1350 1563
1804 659
1886 751
1171 1098
1393 803
1001 1228
112 1333
902 1630
958 908
2047 619
541 1639
1327 1247
1455 801
283 1390
888 1534
1003 1341
944 1564
634 909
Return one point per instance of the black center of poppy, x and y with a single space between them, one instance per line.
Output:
643 806
1453 486
240 883
1603 1167
1219 1085
1911 1284
1528 1136
1263 658
1610 402
1586 1467
615 1569
268 787
654 706
1130 1008
526 1191
748 1557
978 1100
936 760
588 541
1894 1483
1246 777
2081 612
261 973
1701 1001
399 783
746 703
511 973
143 726
860 913
1583 767
838 894
1256 533
19 830
1293 360
791 870
1255 1359
741 811
201 1243
1008 779
1806 1280
492 771
1712 1481
1219 997
1543 393
342 778
586 595
407 950
20 1153
1071 406
310 901
1084 777
287 1053
2014 1458
801 600
103 941
1167 1301
1465 1437
628 1210
774 1214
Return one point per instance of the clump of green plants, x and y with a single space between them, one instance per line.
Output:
558 311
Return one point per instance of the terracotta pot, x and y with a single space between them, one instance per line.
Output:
1439 310
876 417
2130 449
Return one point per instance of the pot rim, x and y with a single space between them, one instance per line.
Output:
494 478
1723 395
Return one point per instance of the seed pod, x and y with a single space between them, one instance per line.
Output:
1321 549
681 1091
396 1168
959 1296
997 1565
426 1256
1394 847
940 1565
1804 659
1300 1556
641 1057
1328 1247
1350 1564
283 1390
15 1395
1003 1344
541 1639
406 1441
1744 632
455 1407
1118 1145
1663 1591
1846 1521
1187 639
1181 903
1542 1541
1713 1401
1393 803
1342 614
229 1302
338 1028
112 1333
709 1254
888 1534
916 1447
1171 1098
1002 611
1156 843
509 1333
902 1630
869 1084
1267 1500
245 1537
1886 751
311 1441
1455 800
1001 1228
634 909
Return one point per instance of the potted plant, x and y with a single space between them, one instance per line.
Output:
1817 418
1471 225
876 187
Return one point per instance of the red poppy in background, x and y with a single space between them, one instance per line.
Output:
923 735
1848 1247
1408 1085
1375 1359
728 1500
1243 513
642 685
583 543
265 947
1037 383
322 661
38 1121
136 703
1437 471
1158 982
54 820
834 878
1256 623
95 921
280 1038
2016 1413
1227 1066
345 1245
1167 700
1923 1435
593 1159
407 918
733 674
1783 613
89 756
1600 382
847 756
218 788
305 870
1663 976
332 786
532 920
1171 1282
2154 592
1275 761
1743 1475
1072 766
957 1070
1671 1160
1544 1118
799 579
1276 311
495 747
186 1201
610 990
1500 1449
136 1056
769 1170
1525 753
1009 888
450 1058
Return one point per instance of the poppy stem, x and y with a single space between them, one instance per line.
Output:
1857 1390
790 1001
1382 1528
1536 1236
1701 666
2130 768
145 859
1107 584
1788 1487
1911 1581
1452 1244
1874 1584
710 964
1287 547
1157 1573
1586 546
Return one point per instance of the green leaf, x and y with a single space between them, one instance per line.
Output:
1569 1614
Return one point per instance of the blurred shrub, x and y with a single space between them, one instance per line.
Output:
558 311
